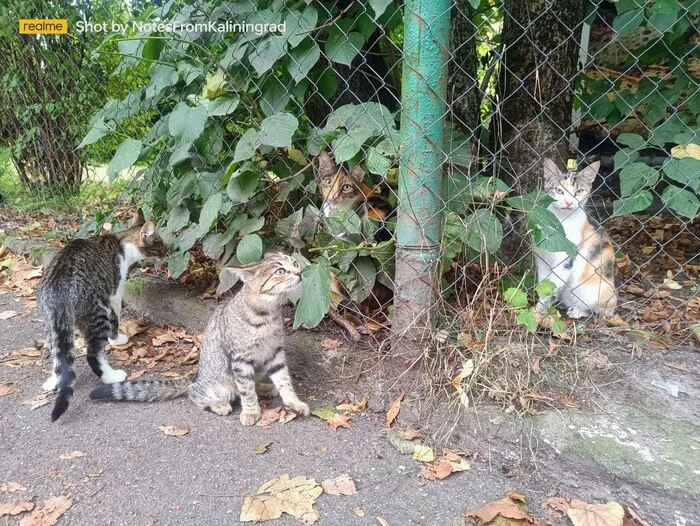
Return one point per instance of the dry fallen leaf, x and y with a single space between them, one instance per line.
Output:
584 514
410 434
341 485
275 414
358 511
72 454
9 388
556 506
511 507
174 430
15 507
38 401
632 519
354 408
294 496
436 471
423 453
381 521
397 439
393 411
6 315
133 327
262 448
136 375
335 420
49 513
12 487
161 340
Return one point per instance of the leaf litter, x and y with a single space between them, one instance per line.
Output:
16 507
334 419
49 513
174 430
341 485
12 487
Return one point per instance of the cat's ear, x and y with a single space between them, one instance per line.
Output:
357 174
138 218
552 174
325 166
588 174
244 272
148 233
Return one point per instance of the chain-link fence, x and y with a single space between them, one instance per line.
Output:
398 148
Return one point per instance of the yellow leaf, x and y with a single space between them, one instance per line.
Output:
358 511
296 155
584 514
214 86
393 411
690 150
355 408
294 496
174 430
423 453
467 370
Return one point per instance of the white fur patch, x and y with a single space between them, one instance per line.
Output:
51 383
113 376
122 339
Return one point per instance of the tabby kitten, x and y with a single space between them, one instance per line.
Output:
585 284
83 287
345 191
242 343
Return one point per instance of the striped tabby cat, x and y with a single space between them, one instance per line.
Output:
83 287
242 343
585 285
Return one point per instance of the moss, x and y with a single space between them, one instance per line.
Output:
136 286
42 255
195 307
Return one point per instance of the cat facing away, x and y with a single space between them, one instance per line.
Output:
82 288
585 284
242 343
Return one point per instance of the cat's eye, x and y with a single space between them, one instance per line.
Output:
279 271
579 191
347 188
296 264
559 191
328 182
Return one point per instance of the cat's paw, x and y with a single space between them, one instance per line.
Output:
249 418
122 339
544 304
51 383
299 407
113 376
266 390
576 313
221 409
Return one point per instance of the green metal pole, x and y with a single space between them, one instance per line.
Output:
419 215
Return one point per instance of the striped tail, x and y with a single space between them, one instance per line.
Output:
142 390
61 343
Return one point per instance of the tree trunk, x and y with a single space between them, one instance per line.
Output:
535 88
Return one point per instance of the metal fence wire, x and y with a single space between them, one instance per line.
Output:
397 148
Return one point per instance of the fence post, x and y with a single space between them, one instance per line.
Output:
419 215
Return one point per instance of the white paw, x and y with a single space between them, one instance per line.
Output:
51 383
575 313
248 419
122 339
299 407
114 376
542 307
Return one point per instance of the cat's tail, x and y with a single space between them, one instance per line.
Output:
61 344
142 390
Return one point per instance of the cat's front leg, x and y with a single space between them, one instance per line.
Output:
279 375
244 376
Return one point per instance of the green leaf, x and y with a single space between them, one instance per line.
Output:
124 157
212 247
516 298
342 48
178 263
181 189
187 123
242 186
632 204
545 288
663 14
327 84
345 147
249 249
377 163
636 176
528 319
379 6
152 48
209 213
302 59
628 21
633 140
222 106
99 129
548 232
178 218
685 171
181 154
250 225
622 157
484 232
681 201
364 274
316 295
247 145
267 52
288 229
299 23
162 76
188 237
274 97
277 130
558 326
530 200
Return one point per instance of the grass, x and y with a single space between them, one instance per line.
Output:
23 200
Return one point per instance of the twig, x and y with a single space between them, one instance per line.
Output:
345 10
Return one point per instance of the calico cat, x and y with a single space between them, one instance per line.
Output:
585 284
242 343
346 191
83 287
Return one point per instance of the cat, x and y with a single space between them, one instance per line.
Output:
585 284
242 343
346 191
83 287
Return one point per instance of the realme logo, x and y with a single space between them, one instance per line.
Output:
38 26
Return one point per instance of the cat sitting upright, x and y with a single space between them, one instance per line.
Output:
83 287
585 284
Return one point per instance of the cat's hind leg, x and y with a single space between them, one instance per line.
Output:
115 337
217 397
97 330
265 389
